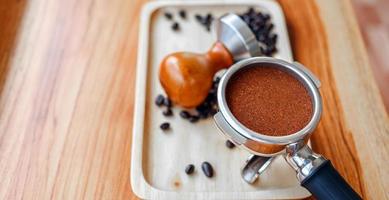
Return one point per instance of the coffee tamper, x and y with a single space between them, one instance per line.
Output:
235 41
187 77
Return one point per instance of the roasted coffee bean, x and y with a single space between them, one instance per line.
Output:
209 18
175 26
212 91
200 108
159 100
168 15
246 19
213 112
269 27
208 28
182 14
272 49
274 37
199 18
167 102
165 126
262 50
206 21
265 51
207 169
168 112
203 115
229 144
266 17
250 11
261 38
194 118
217 79
189 169
185 114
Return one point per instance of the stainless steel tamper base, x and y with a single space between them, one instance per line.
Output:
237 37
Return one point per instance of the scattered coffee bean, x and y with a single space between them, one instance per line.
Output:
194 118
189 169
207 169
213 112
266 17
159 100
182 14
203 115
176 26
274 38
229 144
168 112
208 17
168 15
199 18
167 102
205 21
165 126
185 114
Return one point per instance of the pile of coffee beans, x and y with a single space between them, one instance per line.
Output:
262 27
205 110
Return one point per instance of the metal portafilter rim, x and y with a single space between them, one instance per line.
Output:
310 82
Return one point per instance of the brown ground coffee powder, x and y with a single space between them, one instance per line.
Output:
269 101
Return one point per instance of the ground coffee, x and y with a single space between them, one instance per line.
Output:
268 101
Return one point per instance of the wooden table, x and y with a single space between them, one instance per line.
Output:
66 105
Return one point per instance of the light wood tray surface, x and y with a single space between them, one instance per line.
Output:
159 159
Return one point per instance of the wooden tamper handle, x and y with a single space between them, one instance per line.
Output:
187 77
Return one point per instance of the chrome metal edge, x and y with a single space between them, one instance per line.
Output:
237 37
254 167
309 73
257 137
303 159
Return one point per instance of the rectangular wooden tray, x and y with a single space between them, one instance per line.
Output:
158 158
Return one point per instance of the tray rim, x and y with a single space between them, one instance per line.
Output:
139 185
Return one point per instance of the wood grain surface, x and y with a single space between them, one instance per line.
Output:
373 20
67 80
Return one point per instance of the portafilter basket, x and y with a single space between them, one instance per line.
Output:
314 172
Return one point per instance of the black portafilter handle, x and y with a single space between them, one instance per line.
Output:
325 183
317 174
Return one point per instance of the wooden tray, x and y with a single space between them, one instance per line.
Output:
158 158
67 75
